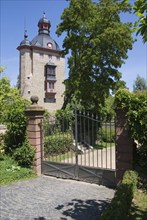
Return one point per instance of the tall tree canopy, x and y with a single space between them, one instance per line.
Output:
140 8
98 43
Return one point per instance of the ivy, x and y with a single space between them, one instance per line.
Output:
135 105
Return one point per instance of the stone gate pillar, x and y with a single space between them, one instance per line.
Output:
35 137
124 146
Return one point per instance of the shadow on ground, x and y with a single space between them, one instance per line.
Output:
40 218
83 210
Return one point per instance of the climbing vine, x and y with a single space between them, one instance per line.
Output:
135 105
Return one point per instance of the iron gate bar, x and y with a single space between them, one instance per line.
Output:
64 166
87 128
76 142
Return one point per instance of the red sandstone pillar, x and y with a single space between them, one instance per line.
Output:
35 135
124 146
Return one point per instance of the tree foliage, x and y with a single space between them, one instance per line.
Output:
140 84
12 107
98 43
140 8
1 69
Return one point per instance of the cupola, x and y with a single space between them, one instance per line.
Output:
44 25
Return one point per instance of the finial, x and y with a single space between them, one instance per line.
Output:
34 100
44 14
25 34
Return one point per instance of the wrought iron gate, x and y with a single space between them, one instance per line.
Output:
79 146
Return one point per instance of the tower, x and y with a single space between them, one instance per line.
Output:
42 68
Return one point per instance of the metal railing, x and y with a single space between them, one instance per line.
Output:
82 139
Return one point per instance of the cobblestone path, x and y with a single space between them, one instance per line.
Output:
49 198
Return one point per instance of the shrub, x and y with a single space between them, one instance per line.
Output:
106 134
12 107
121 203
24 155
15 120
135 105
10 171
57 143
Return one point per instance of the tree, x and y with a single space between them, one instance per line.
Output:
98 42
1 69
140 84
140 8
121 84
18 82
12 107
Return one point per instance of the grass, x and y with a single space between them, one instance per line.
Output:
139 206
59 158
102 144
11 172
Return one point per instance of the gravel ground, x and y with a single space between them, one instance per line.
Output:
49 198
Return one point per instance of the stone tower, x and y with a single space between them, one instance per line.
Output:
42 68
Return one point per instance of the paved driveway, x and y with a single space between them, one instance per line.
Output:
49 198
104 158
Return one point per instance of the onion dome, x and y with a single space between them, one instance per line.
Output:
44 25
25 41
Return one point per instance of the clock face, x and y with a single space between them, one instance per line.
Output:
49 45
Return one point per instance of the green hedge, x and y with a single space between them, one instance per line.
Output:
57 143
107 135
121 203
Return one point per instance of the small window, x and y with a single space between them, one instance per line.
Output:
50 56
51 85
29 92
50 71
28 77
58 57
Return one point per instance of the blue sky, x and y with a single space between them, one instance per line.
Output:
15 15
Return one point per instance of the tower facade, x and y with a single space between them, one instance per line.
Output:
42 68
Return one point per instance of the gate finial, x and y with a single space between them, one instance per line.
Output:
34 99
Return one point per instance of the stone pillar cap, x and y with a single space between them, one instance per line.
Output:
34 99
35 109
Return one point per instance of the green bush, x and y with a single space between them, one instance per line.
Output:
131 178
10 171
106 134
121 203
12 114
57 143
15 120
24 155
135 106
